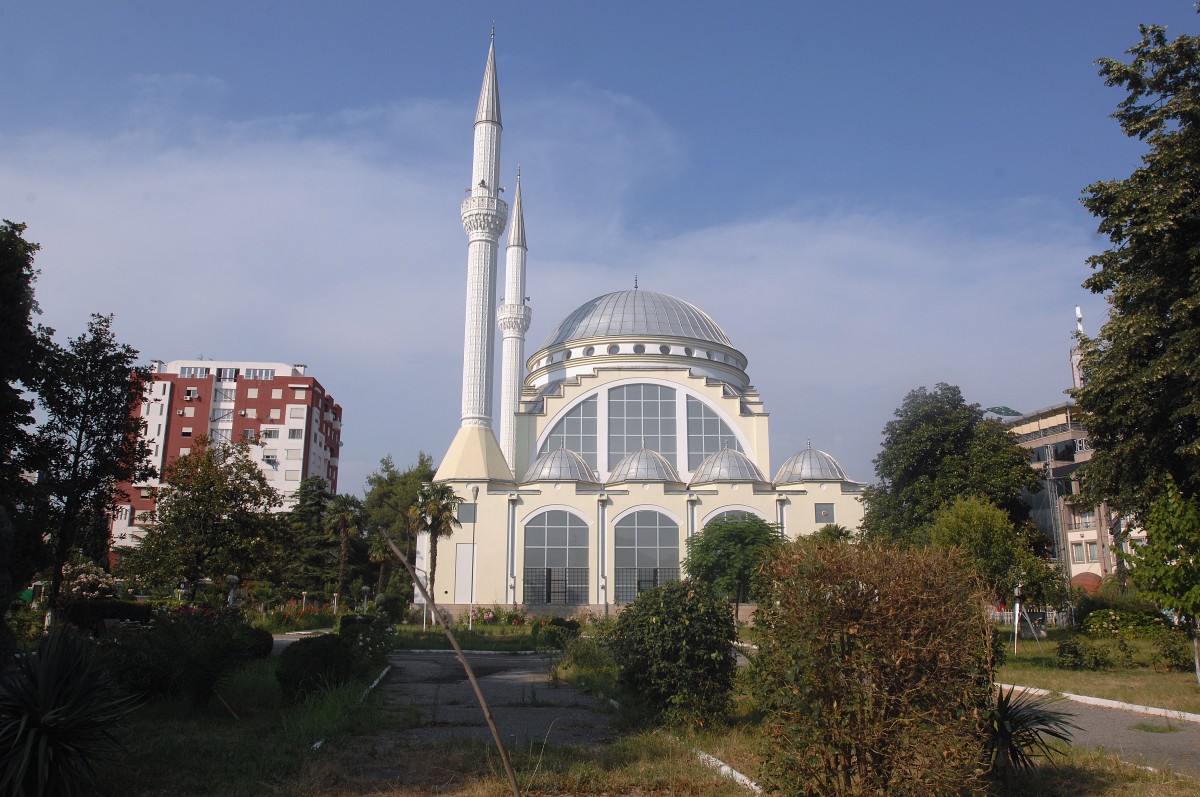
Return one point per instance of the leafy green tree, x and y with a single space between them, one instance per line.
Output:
213 518
20 356
833 532
308 553
727 554
937 449
390 493
1002 554
1167 568
90 442
434 510
1141 398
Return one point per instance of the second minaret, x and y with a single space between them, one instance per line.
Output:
514 317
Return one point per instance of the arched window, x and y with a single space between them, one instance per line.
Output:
575 431
646 554
707 433
556 559
641 415
732 514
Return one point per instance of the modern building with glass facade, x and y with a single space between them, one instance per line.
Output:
633 426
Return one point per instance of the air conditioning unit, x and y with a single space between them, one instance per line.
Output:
242 413
180 412
187 396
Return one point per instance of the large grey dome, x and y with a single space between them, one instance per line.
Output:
637 313
560 465
727 465
645 465
811 465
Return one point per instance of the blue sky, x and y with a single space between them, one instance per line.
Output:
867 197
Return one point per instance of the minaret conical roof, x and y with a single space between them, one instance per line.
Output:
516 220
489 95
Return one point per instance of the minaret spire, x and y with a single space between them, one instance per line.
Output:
475 452
513 318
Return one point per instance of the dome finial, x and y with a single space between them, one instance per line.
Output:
635 282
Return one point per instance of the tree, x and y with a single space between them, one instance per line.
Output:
390 493
434 510
212 519
937 449
90 442
1167 568
308 556
344 519
727 554
20 355
1002 553
1140 397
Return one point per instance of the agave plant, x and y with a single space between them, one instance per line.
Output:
1020 730
59 711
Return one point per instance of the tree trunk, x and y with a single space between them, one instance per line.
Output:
1196 648
432 561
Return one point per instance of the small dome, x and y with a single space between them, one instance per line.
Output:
727 465
560 465
645 465
626 313
811 465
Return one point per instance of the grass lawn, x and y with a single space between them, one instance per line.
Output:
508 638
176 750
1139 684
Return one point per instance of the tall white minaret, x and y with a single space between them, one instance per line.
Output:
514 316
475 452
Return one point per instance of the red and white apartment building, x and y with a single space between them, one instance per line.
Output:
293 427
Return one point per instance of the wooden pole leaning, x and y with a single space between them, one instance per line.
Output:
458 651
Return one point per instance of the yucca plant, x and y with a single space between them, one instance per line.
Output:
59 712
1020 729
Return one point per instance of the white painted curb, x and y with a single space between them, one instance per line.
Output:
1106 703
729 771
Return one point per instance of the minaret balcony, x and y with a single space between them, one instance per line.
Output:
513 317
485 214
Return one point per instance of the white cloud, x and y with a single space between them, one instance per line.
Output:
336 242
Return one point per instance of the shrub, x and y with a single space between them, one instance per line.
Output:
186 652
872 670
555 632
674 646
316 663
1077 652
1172 650
369 637
1113 623
1019 730
59 712
86 580
260 644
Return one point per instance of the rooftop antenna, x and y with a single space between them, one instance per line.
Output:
635 282
1078 320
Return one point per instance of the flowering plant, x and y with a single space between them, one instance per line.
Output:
88 581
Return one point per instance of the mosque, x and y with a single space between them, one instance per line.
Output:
631 428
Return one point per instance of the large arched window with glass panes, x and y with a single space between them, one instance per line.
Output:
575 431
646 553
707 433
641 416
556 559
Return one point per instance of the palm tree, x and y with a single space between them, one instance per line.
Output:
435 510
341 519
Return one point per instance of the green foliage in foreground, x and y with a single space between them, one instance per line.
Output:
674 645
59 714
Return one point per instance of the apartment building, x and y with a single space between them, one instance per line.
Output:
292 425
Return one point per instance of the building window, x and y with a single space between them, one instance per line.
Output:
186 431
291 475
576 431
1086 519
252 392
259 373
294 453
183 452
193 372
277 393
824 513
641 416
222 436
269 434
1077 552
248 434
707 433
639 348
297 412
250 412
274 414
226 374
295 434
189 412
224 394
1093 551
646 553
190 393
556 558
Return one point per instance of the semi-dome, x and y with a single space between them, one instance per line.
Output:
811 465
727 465
635 312
644 465
560 465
